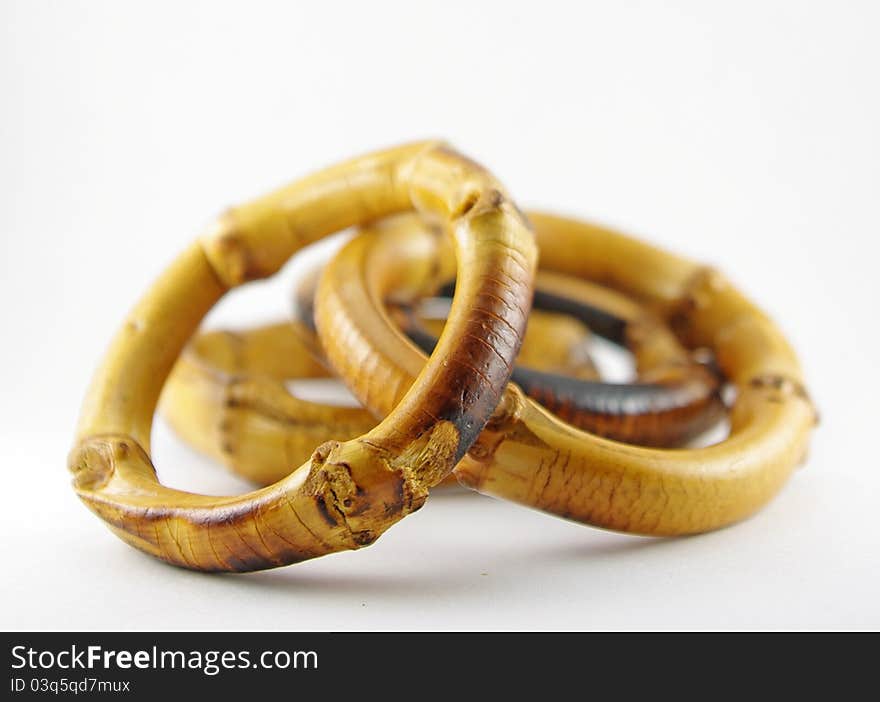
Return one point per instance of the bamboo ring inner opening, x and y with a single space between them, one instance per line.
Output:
229 394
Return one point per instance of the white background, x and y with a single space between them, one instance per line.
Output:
743 134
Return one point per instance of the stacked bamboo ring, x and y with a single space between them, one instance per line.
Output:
437 401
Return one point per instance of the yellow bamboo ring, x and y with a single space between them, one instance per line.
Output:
531 457
349 492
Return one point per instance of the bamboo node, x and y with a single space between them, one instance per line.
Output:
94 460
227 253
357 489
787 387
428 461
702 285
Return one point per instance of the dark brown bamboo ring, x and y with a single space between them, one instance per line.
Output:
677 400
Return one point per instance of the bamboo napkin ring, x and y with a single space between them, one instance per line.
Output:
527 455
352 491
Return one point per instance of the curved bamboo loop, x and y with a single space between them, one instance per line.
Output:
349 492
529 456
227 395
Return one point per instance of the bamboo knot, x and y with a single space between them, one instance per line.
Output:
94 460
787 387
